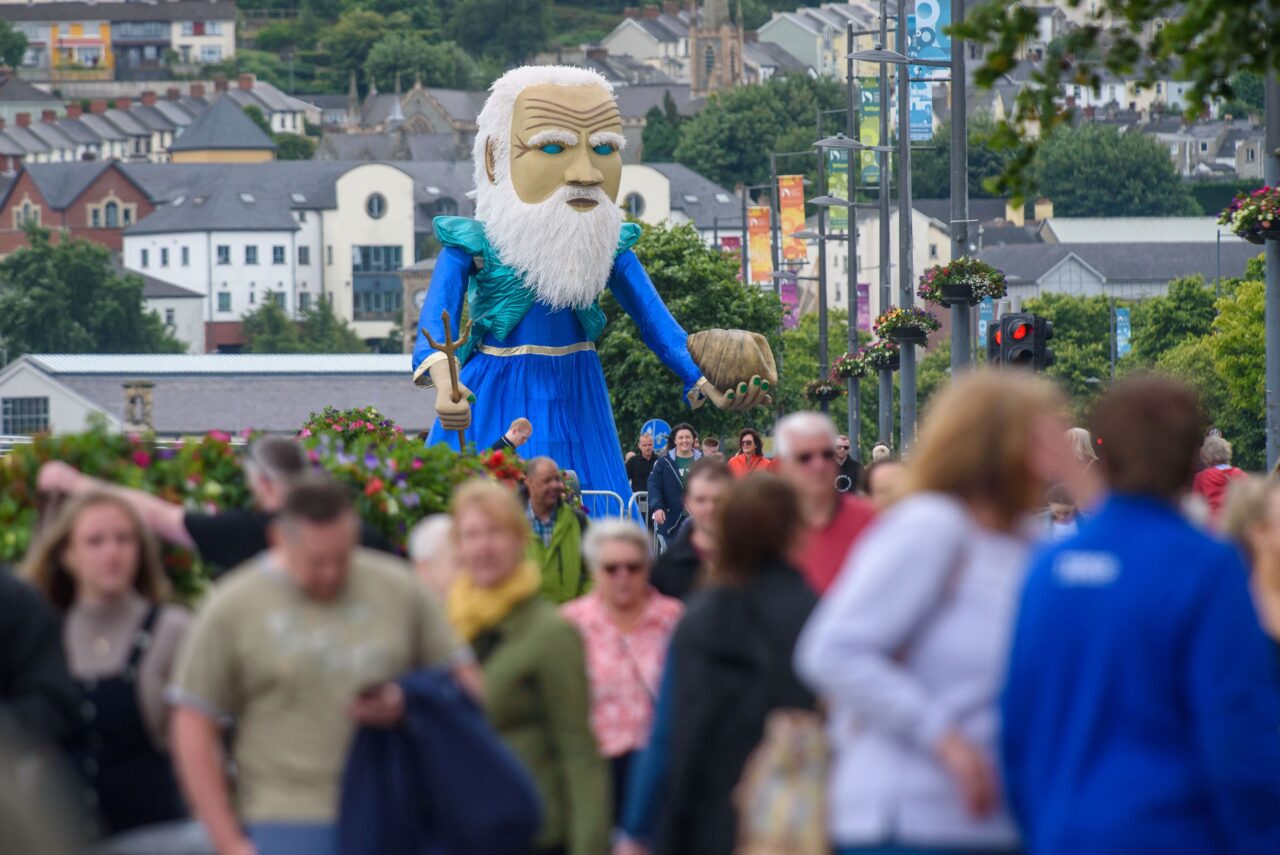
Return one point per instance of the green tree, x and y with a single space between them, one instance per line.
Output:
509 30
931 167
325 332
1208 42
294 147
1248 87
13 45
445 64
268 329
1161 323
1081 344
351 38
730 141
1096 171
254 112
700 287
661 133
68 298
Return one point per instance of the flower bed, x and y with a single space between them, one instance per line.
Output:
962 281
364 421
906 325
1254 216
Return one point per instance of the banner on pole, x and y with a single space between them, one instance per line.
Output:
986 315
789 292
791 213
864 307
759 244
1123 333
838 185
926 39
921 111
869 127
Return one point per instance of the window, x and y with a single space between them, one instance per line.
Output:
188 28
95 217
146 257
213 28
1204 147
276 297
210 54
277 255
933 250
375 259
302 216
111 213
164 256
304 302
329 254
446 207
224 254
634 205
1250 155
186 256
709 61
250 255
168 317
28 213
24 416
224 301
128 216
304 256
376 205
252 298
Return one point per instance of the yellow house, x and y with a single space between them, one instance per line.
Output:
222 134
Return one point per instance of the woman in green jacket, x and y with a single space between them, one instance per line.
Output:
534 670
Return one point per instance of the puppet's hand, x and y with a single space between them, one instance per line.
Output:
748 394
738 369
452 416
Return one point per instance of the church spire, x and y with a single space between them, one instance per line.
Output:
354 113
715 14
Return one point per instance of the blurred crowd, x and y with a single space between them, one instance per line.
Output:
1021 637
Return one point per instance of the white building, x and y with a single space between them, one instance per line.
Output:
674 193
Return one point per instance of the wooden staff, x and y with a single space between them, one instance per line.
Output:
450 348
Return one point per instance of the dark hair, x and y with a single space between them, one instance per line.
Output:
710 469
316 498
754 434
758 521
683 426
278 458
1149 430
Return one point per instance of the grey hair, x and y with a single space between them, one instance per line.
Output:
1215 451
807 424
428 536
610 530
276 458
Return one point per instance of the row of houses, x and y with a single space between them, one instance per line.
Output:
72 41
153 128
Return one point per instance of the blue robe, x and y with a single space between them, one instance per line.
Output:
563 395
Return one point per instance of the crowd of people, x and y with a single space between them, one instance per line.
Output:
1023 637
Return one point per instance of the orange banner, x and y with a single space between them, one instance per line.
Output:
760 244
791 205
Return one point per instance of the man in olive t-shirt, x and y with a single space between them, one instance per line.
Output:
298 647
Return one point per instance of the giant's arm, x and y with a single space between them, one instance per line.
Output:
634 291
447 291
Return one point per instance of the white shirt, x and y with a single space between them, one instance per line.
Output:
909 644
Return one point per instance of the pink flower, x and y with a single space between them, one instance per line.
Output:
142 458
305 432
219 436
417 464
338 428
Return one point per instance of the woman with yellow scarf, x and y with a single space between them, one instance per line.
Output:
535 676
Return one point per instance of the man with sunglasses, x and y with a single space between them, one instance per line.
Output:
849 475
807 459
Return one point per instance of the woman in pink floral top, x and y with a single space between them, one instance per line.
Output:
626 626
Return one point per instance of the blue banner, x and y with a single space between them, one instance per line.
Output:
986 314
1123 333
926 40
921 111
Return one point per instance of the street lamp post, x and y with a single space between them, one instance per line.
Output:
961 334
906 273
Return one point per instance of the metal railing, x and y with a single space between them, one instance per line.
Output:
609 497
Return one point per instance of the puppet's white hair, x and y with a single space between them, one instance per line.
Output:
494 121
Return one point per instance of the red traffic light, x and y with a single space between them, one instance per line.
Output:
998 337
1021 331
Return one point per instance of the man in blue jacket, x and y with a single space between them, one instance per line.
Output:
1141 712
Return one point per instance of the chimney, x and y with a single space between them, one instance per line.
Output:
138 409
24 120
598 53
123 103
173 93
197 90
74 110
148 98
98 106
245 81
48 115
631 12
220 84
652 11
1044 209
1015 215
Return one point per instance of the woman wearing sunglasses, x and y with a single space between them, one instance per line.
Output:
750 457
626 626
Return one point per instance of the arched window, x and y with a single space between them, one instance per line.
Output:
634 205
709 62
112 215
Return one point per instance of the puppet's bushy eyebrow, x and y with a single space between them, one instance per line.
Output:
618 141
558 136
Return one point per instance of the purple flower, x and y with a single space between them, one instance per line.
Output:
371 461
410 500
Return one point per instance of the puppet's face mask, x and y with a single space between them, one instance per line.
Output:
565 136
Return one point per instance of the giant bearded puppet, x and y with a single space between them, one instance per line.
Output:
547 240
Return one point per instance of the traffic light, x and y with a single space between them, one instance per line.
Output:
1018 340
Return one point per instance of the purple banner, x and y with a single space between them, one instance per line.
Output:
789 292
864 307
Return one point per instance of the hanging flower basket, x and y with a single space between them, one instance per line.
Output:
849 367
820 391
882 355
964 281
906 325
1254 216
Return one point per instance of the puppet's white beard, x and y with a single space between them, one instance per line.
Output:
564 255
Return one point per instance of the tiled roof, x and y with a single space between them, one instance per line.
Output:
15 89
1124 262
699 198
61 183
225 364
222 126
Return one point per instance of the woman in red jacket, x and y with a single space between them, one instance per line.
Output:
750 457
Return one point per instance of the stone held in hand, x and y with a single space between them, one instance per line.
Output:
729 358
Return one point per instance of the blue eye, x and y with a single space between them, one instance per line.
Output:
604 149
552 148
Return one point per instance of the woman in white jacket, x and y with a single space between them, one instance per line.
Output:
908 648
